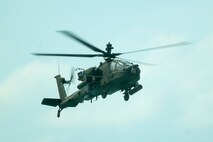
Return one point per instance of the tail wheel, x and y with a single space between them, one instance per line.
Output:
59 112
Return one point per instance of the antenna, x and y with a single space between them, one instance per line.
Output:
58 66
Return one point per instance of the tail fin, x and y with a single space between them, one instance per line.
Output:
61 90
62 94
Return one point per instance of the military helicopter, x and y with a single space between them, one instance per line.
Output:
110 76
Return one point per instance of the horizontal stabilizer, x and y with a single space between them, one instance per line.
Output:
51 102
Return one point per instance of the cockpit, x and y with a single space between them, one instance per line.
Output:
119 65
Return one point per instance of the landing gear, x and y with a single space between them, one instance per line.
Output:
126 96
104 95
59 112
131 91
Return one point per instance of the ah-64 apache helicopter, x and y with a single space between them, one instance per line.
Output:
112 75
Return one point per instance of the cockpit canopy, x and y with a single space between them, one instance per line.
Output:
119 65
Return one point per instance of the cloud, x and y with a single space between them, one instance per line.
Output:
183 72
186 74
24 80
196 103
34 77
113 111
143 106
182 80
198 112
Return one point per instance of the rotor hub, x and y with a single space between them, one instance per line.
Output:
109 48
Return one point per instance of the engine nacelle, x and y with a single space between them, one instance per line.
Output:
82 84
89 74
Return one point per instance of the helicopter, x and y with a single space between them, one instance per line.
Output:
112 75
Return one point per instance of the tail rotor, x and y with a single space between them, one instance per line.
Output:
71 79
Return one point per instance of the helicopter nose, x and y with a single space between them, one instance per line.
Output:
135 70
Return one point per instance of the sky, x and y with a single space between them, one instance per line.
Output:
175 103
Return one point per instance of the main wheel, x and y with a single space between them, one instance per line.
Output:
126 97
104 95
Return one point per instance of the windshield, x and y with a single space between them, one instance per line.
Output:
119 65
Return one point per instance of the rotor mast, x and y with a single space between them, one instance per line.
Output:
109 52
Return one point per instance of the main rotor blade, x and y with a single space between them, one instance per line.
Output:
80 40
68 55
160 47
139 62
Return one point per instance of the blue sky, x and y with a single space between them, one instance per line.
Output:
175 103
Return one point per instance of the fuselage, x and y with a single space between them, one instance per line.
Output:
116 75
